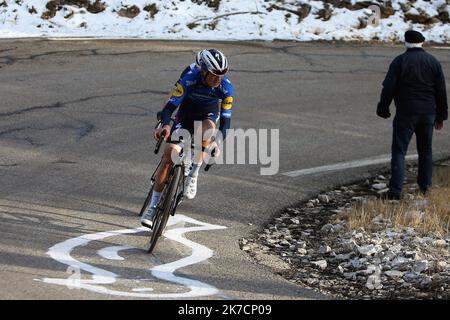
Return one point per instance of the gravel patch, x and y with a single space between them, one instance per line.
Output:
320 253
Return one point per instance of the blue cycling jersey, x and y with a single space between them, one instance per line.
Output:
193 97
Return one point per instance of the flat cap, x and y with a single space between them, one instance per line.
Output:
412 36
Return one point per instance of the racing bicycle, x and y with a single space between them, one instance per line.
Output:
172 194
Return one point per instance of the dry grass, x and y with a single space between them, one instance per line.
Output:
430 214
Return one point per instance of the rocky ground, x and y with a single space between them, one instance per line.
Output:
311 245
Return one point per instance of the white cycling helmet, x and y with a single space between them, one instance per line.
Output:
213 61
198 59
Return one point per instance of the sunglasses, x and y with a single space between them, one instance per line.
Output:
219 73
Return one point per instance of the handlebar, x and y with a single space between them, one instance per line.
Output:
158 117
163 135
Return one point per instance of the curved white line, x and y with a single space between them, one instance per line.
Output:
199 254
112 253
61 253
142 289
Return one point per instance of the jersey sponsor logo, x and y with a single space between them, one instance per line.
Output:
190 83
228 100
178 91
227 103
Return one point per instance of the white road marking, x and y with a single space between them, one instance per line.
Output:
111 253
199 254
61 253
344 165
142 289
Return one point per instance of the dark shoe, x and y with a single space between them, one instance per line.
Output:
424 192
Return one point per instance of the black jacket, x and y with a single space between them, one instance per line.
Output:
416 83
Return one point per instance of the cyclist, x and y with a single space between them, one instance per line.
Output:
196 95
191 67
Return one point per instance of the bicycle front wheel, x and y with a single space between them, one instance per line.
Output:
166 206
147 201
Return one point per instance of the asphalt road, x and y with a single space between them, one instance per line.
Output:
76 156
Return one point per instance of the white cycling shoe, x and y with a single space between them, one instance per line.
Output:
147 217
190 189
187 167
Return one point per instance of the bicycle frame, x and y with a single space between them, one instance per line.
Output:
180 187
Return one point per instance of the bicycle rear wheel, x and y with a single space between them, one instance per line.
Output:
166 206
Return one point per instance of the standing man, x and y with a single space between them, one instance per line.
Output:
416 83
